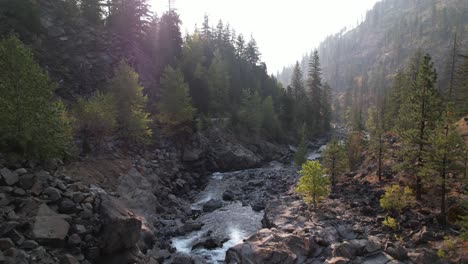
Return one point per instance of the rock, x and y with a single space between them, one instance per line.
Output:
345 249
228 195
2 258
212 205
6 243
426 235
327 236
258 205
67 206
397 251
160 255
68 259
9 177
267 246
26 181
208 243
19 192
53 194
338 260
380 258
29 244
181 259
424 256
16 236
191 155
21 171
117 223
49 228
78 197
74 240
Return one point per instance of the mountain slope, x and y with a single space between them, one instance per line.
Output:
391 32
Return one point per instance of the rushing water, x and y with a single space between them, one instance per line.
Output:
233 222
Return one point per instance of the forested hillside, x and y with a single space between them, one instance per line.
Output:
370 54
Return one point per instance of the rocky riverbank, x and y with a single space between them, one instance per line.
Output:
120 208
346 228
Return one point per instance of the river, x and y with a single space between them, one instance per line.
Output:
235 220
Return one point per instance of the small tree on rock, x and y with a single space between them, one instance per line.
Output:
313 185
334 160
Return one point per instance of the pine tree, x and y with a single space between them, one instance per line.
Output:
334 160
315 92
252 53
31 123
270 122
133 120
250 113
418 117
218 84
312 184
175 108
301 154
92 10
326 108
376 131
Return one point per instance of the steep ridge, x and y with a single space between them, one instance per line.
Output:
391 32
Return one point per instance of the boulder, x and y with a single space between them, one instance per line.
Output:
6 243
117 223
53 194
228 195
327 236
26 181
212 205
8 177
270 246
397 251
68 259
181 259
49 227
424 256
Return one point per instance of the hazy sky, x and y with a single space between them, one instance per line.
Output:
284 30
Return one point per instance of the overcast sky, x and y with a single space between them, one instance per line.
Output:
284 30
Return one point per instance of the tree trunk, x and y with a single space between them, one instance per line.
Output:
333 172
379 171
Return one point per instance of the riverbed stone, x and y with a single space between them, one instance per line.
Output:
9 177
212 205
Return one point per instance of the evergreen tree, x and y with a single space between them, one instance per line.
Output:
250 113
334 160
376 131
326 108
301 154
418 117
218 84
299 96
354 147
31 123
315 92
133 121
312 184
92 10
175 107
270 122
251 52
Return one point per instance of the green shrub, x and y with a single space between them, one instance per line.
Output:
95 117
396 198
31 123
390 222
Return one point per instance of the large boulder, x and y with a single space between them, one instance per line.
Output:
212 205
120 228
270 246
234 157
49 227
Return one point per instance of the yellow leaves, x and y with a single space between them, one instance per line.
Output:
397 198
313 185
